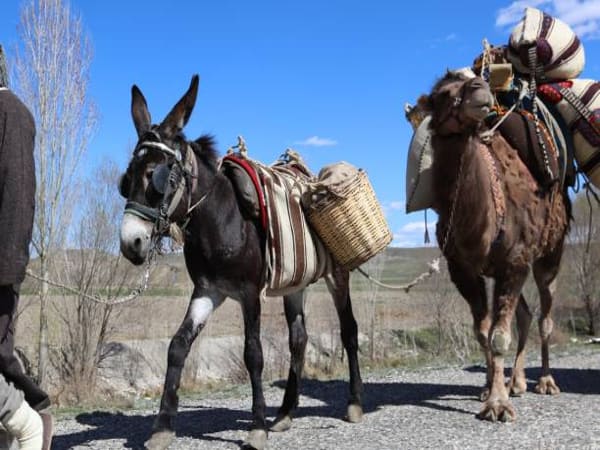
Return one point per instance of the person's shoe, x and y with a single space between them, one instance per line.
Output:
48 427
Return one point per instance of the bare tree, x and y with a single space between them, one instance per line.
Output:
95 268
584 240
52 65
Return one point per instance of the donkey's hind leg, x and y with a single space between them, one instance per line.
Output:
294 315
545 271
199 310
517 385
338 284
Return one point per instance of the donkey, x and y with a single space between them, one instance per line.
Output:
497 221
171 180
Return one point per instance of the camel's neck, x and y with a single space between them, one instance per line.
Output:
462 182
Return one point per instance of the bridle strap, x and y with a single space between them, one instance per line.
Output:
143 211
161 147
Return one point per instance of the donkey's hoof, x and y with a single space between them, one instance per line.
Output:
355 414
160 440
282 423
257 439
547 385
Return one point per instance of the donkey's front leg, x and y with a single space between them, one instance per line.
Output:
199 310
253 357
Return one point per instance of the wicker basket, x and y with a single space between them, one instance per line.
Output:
351 224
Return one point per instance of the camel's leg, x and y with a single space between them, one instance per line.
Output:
545 271
506 297
517 385
338 284
472 288
294 315
199 310
253 357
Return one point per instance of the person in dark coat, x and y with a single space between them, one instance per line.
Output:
17 205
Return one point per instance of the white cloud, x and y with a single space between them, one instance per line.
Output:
316 141
451 37
582 15
393 206
412 234
514 12
411 227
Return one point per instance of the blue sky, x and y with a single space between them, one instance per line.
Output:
328 78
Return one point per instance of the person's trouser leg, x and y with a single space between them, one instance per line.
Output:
10 366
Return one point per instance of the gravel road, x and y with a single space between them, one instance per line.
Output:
404 409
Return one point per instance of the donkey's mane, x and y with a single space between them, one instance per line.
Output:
205 148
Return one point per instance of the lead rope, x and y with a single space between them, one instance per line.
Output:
143 285
434 267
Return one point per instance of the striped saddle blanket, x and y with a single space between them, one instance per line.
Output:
295 256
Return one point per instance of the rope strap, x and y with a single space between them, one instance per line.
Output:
434 267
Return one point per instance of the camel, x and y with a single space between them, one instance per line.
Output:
497 221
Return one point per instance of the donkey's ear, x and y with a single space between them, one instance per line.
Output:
139 111
181 112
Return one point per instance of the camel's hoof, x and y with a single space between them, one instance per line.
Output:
516 388
498 410
257 439
355 414
547 385
485 394
282 423
160 440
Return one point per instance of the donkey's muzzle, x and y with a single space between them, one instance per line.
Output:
136 236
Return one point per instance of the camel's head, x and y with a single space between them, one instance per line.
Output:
459 102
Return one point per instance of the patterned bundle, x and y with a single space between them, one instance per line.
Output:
578 103
556 50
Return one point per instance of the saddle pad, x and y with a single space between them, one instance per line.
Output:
419 181
578 103
559 52
296 256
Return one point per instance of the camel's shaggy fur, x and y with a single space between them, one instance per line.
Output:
494 221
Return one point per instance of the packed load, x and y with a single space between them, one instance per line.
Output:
346 220
545 46
535 75
342 208
578 105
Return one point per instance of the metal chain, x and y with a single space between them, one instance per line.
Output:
117 301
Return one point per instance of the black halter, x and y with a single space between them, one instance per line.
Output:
169 180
